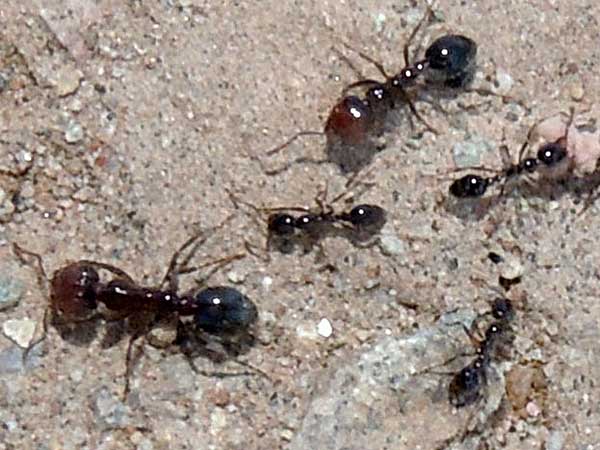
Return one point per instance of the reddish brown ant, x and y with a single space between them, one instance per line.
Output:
449 62
77 294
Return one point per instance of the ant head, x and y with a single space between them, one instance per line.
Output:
73 291
452 60
502 309
469 186
530 164
281 224
349 120
223 309
367 217
552 154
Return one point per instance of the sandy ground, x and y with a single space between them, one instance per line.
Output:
124 122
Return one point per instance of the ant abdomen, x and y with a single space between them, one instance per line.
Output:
349 121
73 291
223 309
469 186
465 387
451 60
282 225
365 217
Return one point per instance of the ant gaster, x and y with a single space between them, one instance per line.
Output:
76 293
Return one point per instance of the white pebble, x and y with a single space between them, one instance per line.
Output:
19 331
267 282
324 328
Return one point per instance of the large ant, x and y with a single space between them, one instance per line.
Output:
550 157
77 294
449 62
286 231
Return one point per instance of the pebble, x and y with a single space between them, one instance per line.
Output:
162 335
576 90
391 245
74 132
533 409
68 81
111 410
324 328
235 277
11 292
267 282
468 153
555 441
504 80
20 331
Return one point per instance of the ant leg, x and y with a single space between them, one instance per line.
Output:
292 139
112 269
129 363
366 57
416 113
428 14
41 276
194 242
218 263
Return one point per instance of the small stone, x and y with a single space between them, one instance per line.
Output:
504 80
391 245
110 410
218 421
11 292
533 409
379 22
74 132
287 435
555 441
576 90
68 81
306 331
512 270
468 153
21 331
267 282
163 334
235 277
324 328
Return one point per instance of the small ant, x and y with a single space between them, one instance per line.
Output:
465 387
449 62
285 231
76 293
550 156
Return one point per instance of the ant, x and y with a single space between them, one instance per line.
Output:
285 230
466 385
549 157
76 294
449 62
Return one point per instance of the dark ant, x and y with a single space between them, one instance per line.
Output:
76 294
549 157
449 62
466 385
285 230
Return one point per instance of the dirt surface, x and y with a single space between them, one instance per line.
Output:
121 126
